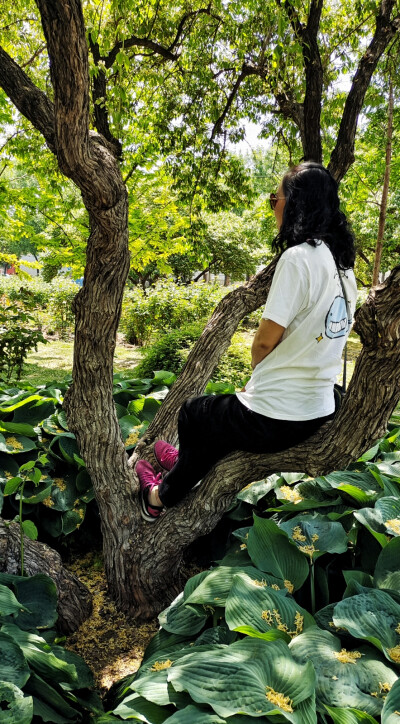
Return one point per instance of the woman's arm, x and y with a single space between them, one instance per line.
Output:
267 337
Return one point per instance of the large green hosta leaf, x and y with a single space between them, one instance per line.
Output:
387 569
347 679
8 602
315 534
391 707
359 484
13 668
15 428
201 715
271 551
264 609
152 682
384 518
185 619
15 707
136 707
253 492
252 677
389 510
215 587
64 492
34 410
195 715
374 616
43 661
350 716
49 703
39 595
14 444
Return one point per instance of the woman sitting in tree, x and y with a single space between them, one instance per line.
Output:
296 352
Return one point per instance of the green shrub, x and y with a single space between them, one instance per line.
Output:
18 334
235 365
170 351
135 318
51 302
166 307
35 286
62 294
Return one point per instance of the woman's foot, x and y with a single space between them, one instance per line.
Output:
165 454
150 503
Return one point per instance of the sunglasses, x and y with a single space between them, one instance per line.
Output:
273 200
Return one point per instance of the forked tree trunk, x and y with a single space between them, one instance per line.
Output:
142 560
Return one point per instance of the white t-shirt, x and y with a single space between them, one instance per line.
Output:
295 381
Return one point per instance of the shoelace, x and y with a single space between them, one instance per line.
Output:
152 480
169 457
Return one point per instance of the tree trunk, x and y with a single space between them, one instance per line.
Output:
385 190
74 599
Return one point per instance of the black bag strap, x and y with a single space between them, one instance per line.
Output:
349 320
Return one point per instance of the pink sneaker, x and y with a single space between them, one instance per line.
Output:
147 481
165 454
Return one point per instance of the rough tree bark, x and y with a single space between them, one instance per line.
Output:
306 115
385 30
142 561
385 190
74 599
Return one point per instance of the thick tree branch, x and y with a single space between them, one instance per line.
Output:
314 83
99 98
30 101
191 16
306 115
165 52
135 41
64 31
244 73
385 30
82 156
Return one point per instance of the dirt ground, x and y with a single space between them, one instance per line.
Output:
111 644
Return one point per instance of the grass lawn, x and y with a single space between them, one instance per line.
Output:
53 361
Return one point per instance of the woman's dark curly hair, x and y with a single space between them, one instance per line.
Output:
312 212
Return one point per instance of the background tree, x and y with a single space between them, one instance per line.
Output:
202 68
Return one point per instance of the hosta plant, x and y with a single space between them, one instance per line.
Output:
34 435
299 622
40 680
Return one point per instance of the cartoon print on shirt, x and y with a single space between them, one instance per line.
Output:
320 337
336 322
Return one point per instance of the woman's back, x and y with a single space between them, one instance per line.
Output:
295 381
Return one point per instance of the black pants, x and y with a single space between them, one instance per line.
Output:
211 427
